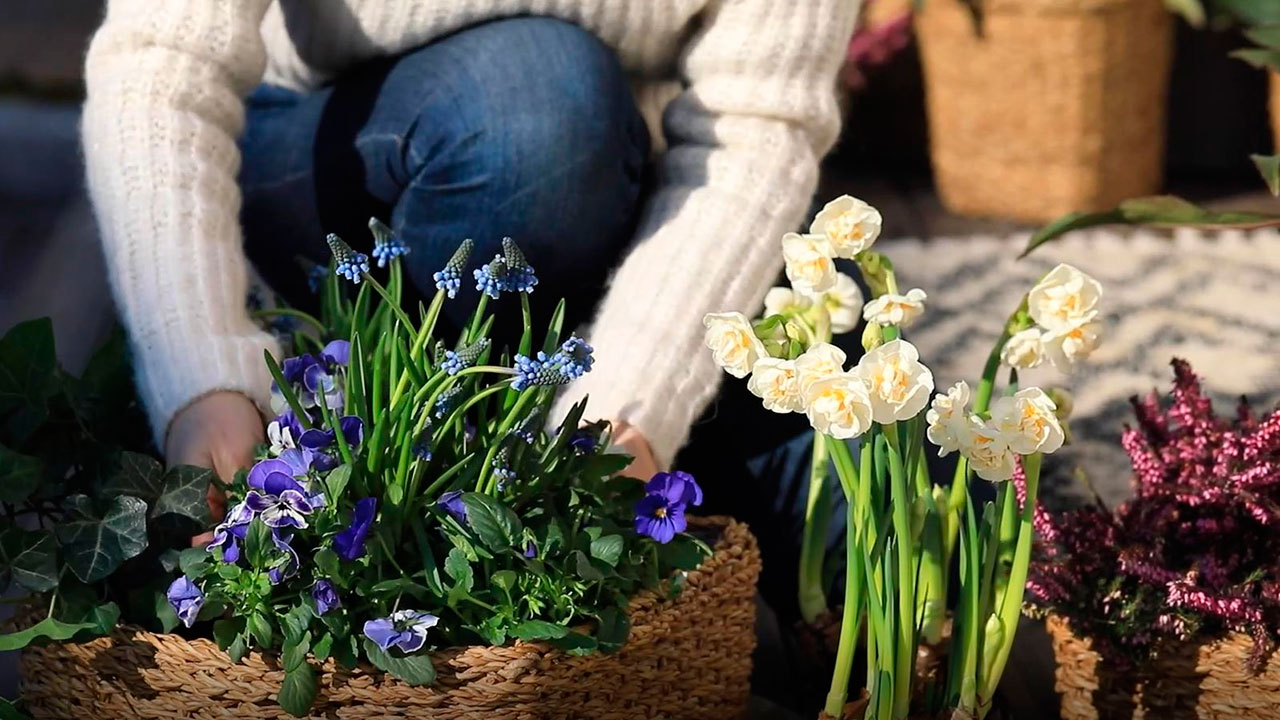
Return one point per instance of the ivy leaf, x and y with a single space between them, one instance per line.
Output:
607 549
1269 167
614 628
48 628
538 630
183 492
95 546
495 523
27 365
412 669
298 690
30 558
19 475
138 475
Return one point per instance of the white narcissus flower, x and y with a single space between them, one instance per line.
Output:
810 267
899 384
1024 350
948 419
733 343
1028 422
777 383
1063 299
821 361
1072 345
782 300
839 406
988 453
900 310
849 224
843 303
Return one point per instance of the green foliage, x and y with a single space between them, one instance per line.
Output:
86 511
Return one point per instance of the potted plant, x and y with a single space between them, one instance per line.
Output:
903 530
1063 96
415 540
1168 605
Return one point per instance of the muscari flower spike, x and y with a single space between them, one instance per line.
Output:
422 446
502 467
491 278
570 362
351 264
449 280
446 401
520 277
456 362
386 245
527 430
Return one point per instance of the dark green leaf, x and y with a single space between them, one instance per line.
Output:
1251 12
138 475
295 623
257 544
298 691
576 643
94 546
165 613
605 464
412 669
19 475
682 553
614 628
505 579
27 364
260 629
1269 167
400 585
322 647
48 628
530 630
239 648
327 561
495 523
583 567
226 630
1266 36
9 712
193 561
607 549
295 652
337 480
457 567
30 558
1261 58
103 618
1159 211
184 491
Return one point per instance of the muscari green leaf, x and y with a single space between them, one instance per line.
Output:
94 546
184 492
298 690
1158 211
495 523
19 475
138 475
412 669
30 558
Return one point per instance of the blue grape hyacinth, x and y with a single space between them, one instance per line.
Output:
570 362
449 279
351 264
386 245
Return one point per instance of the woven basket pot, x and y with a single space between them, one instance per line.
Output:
1209 681
1058 106
687 657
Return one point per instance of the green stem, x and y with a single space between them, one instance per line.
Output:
476 318
906 650
332 422
813 601
392 302
850 618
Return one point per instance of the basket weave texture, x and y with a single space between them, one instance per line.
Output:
1058 106
687 657
1209 681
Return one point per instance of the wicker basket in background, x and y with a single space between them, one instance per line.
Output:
688 657
1059 105
1209 682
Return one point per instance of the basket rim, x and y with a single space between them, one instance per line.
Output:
733 533
1057 623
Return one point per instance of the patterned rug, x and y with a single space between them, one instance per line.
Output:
1212 298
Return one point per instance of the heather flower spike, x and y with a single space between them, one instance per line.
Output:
386 245
449 279
350 264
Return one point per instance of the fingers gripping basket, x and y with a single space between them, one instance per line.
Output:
1209 681
1059 105
687 657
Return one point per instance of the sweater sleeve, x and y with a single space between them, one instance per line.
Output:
165 83
744 141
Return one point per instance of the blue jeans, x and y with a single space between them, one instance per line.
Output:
523 127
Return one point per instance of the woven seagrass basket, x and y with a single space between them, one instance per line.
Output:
1058 106
1209 682
687 657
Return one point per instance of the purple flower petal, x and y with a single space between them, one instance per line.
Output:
276 484
325 596
258 473
298 460
337 352
186 598
352 430
451 502
382 631
317 379
349 544
258 502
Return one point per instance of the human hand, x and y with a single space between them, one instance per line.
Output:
218 431
643 465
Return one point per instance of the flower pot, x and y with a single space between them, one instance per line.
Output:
1210 681
1055 106
688 656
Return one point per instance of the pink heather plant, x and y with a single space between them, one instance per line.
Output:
1195 552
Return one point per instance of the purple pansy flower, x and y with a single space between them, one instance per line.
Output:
404 629
325 596
451 502
231 531
287 565
349 544
317 439
583 442
530 550
660 514
282 501
186 599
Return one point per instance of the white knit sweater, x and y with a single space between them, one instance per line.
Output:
757 110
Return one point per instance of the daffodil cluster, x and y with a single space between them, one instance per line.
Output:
872 418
